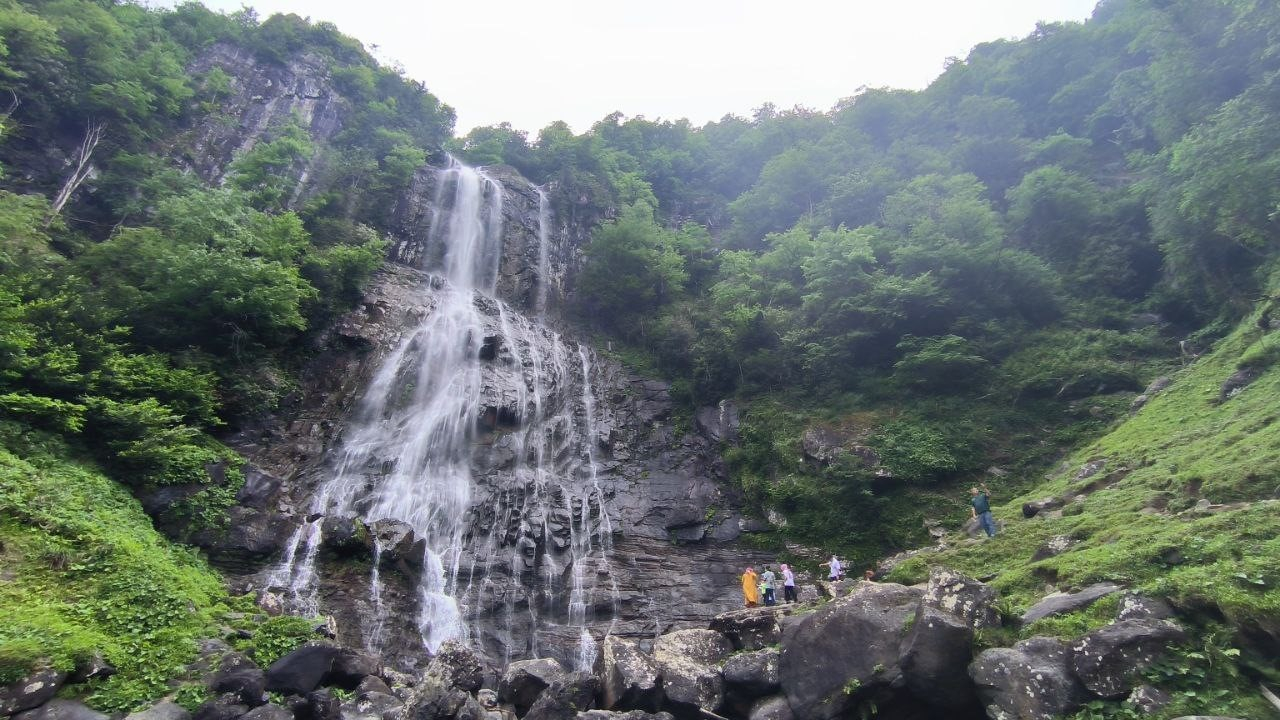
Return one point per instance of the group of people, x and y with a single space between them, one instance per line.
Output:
758 586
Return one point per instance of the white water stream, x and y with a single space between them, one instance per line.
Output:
407 453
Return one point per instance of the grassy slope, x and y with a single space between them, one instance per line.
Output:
1183 446
85 572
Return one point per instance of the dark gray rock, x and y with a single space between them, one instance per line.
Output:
241 677
302 670
401 548
96 667
1068 602
371 706
1030 681
163 710
219 709
718 423
690 661
270 711
1110 659
771 708
752 674
1147 699
629 715
59 709
935 660
962 596
1053 547
372 684
630 679
351 667
565 698
31 691
524 680
1134 606
319 704
1238 381
752 628
346 536
456 665
850 644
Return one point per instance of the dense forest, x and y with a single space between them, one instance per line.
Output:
979 274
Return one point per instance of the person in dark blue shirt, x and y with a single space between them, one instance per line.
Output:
980 506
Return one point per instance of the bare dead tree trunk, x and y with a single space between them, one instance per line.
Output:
92 135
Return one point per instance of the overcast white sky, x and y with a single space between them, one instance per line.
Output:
536 61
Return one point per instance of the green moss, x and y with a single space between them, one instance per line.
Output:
86 573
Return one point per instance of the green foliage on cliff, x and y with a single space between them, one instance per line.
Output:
86 574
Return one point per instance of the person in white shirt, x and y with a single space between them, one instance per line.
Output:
836 568
788 584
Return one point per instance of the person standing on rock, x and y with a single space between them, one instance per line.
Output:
980 507
751 587
836 568
788 584
768 583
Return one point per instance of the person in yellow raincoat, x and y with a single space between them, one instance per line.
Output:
751 587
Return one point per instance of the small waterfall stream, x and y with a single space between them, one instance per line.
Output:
526 536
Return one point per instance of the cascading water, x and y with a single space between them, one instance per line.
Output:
514 538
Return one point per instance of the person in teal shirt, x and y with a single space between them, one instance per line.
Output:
980 506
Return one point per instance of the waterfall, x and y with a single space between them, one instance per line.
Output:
527 528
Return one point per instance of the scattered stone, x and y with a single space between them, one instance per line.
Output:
95 667
565 698
1035 507
219 709
771 708
241 677
345 536
1030 681
1053 547
1134 606
163 710
524 680
320 704
1238 381
935 658
1109 659
753 674
1147 699
631 679
31 691
689 660
271 603
1060 603
302 670
59 709
962 596
270 711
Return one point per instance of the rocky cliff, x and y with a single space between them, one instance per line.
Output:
591 509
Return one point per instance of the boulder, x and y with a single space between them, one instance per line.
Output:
753 674
94 668
1035 507
524 680
456 665
1147 699
1238 381
1053 547
630 679
629 715
163 710
1134 606
241 677
565 698
350 668
690 661
270 711
845 651
302 670
935 659
1061 603
59 709
751 628
962 596
345 536
319 704
31 691
771 708
371 706
400 547
1109 660
219 709
372 684
445 688
1030 681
